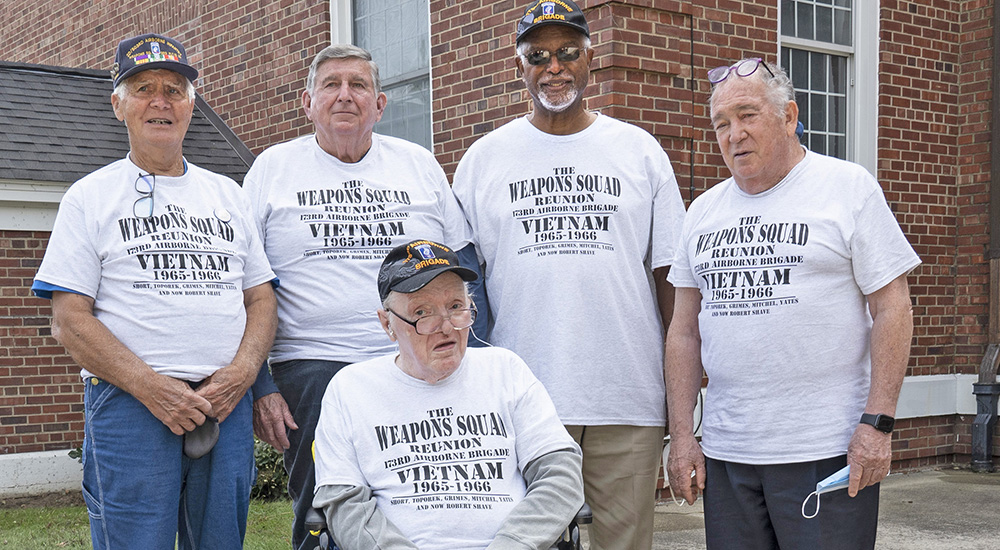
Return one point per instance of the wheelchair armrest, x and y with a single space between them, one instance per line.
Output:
315 524
585 515
315 520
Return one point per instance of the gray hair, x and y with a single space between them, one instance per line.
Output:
778 91
524 46
343 51
121 90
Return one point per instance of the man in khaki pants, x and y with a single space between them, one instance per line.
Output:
570 209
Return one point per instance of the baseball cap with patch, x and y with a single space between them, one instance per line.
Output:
551 12
150 51
409 267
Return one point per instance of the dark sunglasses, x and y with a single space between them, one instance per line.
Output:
564 54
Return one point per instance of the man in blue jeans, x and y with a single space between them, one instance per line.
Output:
162 293
329 206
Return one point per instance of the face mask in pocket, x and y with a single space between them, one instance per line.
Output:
834 482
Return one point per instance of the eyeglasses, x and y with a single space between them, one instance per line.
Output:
744 68
542 57
429 324
143 206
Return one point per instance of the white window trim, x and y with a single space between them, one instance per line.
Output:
866 45
862 139
341 22
342 32
29 205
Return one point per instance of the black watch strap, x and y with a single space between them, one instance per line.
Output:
881 422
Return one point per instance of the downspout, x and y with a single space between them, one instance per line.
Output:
987 390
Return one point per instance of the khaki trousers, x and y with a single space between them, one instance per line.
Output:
620 468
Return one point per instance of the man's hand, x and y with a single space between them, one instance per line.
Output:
174 403
270 418
869 455
225 387
686 457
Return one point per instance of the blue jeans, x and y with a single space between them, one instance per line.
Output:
302 383
142 492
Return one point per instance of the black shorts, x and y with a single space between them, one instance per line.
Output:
759 507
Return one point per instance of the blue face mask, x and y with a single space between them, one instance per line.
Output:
834 482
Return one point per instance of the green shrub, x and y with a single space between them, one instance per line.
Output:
272 480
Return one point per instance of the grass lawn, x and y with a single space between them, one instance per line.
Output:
25 528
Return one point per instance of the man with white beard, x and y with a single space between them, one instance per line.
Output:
575 215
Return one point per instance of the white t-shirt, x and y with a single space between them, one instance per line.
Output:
327 225
784 320
169 287
444 460
569 228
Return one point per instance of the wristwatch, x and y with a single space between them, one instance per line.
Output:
881 422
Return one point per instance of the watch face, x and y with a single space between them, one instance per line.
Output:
884 423
881 422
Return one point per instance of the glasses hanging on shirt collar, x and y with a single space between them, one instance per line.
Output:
744 68
144 185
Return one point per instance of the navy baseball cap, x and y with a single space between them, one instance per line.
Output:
551 12
150 51
409 267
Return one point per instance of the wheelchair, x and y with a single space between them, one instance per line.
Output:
570 540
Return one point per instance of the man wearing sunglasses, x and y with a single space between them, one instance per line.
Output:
792 297
162 293
570 209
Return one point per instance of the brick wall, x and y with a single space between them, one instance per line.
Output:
41 405
971 171
936 441
918 165
253 57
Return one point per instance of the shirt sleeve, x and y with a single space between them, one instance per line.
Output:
352 515
43 289
539 430
257 269
71 259
253 187
554 495
457 232
880 251
264 384
463 192
680 274
336 460
668 213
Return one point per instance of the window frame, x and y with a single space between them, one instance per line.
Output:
342 32
862 70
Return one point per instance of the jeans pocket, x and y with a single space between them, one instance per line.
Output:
94 507
95 395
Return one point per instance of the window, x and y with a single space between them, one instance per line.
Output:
397 33
829 48
821 93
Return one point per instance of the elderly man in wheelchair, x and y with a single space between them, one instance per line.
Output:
438 446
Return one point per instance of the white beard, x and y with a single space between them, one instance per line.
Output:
558 105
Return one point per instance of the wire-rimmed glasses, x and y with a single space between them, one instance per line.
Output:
144 185
429 324
744 68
